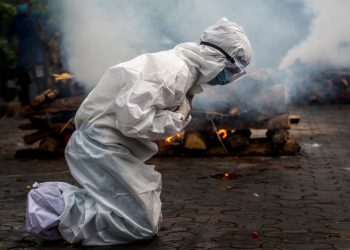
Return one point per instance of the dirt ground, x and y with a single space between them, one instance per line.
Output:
287 202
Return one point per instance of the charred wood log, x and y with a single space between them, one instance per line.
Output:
39 121
239 139
250 119
26 126
294 119
46 96
255 147
277 136
36 136
290 147
51 144
279 122
194 141
62 104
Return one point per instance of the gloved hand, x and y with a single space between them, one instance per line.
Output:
185 108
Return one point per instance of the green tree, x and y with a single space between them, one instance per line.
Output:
7 10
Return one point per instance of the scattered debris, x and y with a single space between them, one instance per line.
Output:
224 176
254 234
313 145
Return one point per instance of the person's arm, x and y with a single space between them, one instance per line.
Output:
144 110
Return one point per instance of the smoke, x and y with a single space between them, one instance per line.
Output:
328 43
98 34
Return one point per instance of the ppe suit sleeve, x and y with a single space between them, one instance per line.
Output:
146 107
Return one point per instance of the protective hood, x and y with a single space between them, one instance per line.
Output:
205 62
230 37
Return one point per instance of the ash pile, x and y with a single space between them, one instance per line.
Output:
249 118
51 116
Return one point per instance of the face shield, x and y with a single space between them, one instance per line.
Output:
234 68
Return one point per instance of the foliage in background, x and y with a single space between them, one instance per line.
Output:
40 6
7 11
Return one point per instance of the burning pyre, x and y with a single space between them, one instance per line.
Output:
51 115
211 132
322 87
227 130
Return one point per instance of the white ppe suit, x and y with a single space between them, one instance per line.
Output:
134 103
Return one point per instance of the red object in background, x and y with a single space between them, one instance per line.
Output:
254 234
66 138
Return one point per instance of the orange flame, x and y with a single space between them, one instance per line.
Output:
171 138
222 133
63 76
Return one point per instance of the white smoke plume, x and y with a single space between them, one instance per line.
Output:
96 37
328 43
98 34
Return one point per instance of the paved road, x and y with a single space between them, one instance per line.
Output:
294 202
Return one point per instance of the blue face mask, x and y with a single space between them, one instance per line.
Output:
223 78
22 8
